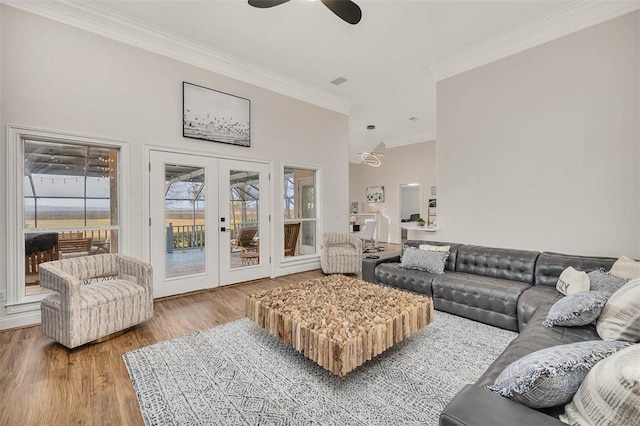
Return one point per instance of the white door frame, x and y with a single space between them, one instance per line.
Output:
262 268
146 206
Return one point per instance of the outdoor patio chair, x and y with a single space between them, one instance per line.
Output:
245 240
95 297
291 232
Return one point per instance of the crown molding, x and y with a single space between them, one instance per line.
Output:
116 26
575 17
411 139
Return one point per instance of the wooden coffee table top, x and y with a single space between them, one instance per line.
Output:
338 321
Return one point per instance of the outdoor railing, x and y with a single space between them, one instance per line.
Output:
185 237
181 237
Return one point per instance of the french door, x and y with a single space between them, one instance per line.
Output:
199 208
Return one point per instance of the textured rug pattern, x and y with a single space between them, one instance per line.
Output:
237 374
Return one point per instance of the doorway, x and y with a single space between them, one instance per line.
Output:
209 221
409 205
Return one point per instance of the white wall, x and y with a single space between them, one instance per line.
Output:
540 150
58 77
414 163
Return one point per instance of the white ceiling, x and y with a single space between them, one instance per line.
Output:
391 59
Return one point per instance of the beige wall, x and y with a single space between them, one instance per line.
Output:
540 150
61 78
414 163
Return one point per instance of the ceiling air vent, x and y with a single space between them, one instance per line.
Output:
338 81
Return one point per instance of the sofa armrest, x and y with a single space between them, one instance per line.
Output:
56 279
474 405
141 270
369 265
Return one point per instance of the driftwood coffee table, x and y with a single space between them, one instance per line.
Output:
337 321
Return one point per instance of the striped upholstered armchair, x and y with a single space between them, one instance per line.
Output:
95 296
341 253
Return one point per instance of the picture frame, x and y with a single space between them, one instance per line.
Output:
375 194
215 116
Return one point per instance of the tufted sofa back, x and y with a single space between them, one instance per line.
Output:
508 264
451 260
550 265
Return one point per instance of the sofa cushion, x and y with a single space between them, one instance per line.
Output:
489 300
424 260
430 247
609 394
532 299
601 280
407 279
572 281
577 309
549 266
620 318
626 268
551 376
535 337
506 264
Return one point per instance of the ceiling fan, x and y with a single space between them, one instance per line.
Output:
346 10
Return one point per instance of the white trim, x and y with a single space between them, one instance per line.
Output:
576 17
411 139
146 193
108 23
20 320
294 268
17 302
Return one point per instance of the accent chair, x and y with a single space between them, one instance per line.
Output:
341 253
95 296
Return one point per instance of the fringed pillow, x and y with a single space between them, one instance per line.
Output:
550 377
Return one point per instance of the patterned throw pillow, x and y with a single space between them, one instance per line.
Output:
423 260
604 281
572 281
577 309
609 394
550 377
626 268
620 318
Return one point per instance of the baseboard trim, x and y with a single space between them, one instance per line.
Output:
20 320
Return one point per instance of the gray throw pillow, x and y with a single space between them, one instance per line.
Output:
576 309
609 394
423 260
550 377
604 281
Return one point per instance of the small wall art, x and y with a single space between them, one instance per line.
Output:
375 194
215 116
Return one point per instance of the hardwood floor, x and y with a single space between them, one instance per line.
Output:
43 383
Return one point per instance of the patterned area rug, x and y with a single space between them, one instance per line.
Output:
237 374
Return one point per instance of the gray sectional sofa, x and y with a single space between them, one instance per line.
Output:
511 289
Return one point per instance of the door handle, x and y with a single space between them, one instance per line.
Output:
223 229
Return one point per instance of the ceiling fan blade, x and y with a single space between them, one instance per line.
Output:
347 10
263 4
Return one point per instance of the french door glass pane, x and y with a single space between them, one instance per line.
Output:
244 218
184 220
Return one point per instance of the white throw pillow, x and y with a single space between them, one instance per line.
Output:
620 317
572 281
429 247
625 268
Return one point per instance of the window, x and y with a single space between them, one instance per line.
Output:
300 211
65 193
